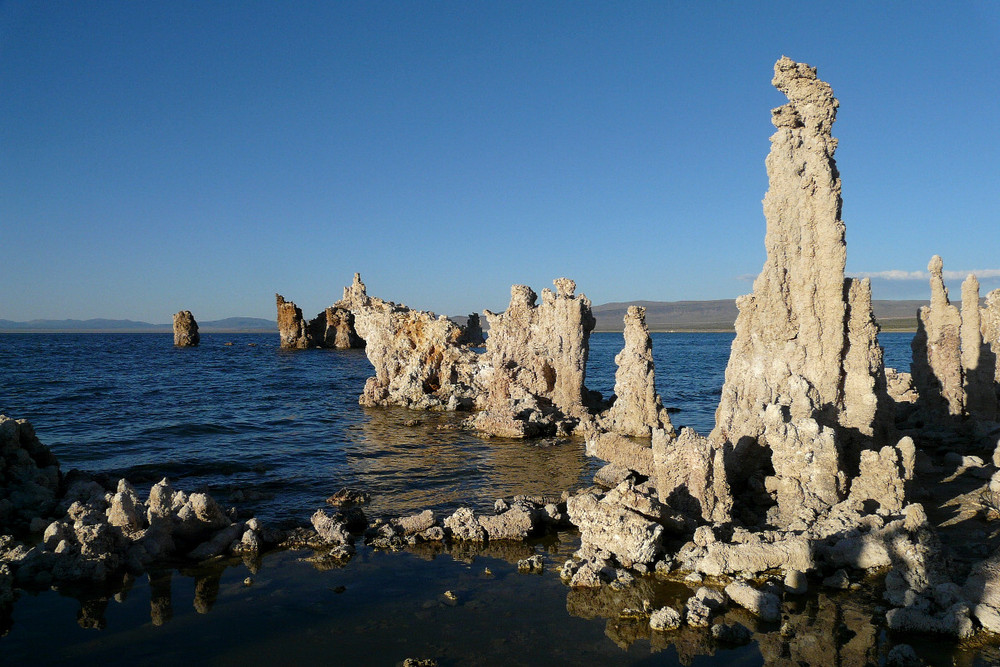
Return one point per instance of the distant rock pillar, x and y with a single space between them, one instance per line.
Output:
185 330
292 327
978 360
937 355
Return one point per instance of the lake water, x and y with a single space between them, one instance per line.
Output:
274 433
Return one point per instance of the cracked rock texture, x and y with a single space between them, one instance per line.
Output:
537 357
29 475
333 328
185 330
978 358
690 476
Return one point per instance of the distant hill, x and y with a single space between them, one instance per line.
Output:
720 315
228 325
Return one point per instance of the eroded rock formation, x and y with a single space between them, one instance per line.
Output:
185 330
805 367
419 360
937 355
537 363
638 409
333 328
29 475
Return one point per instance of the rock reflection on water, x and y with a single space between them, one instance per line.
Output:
413 461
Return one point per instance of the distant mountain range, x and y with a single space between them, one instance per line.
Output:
228 325
716 315
720 315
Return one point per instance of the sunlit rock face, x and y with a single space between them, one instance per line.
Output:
805 369
420 361
638 409
333 328
937 350
185 330
536 363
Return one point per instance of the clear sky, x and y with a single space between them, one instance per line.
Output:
159 156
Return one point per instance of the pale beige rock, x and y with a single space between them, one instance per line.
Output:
611 527
883 476
536 362
690 476
808 476
185 330
990 324
900 386
637 409
937 357
332 328
418 360
978 361
806 341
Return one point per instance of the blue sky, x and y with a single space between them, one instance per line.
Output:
205 155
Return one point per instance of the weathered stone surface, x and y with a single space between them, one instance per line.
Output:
332 328
978 358
703 605
755 553
292 328
185 330
937 356
611 527
418 359
900 386
808 476
418 523
637 409
982 592
538 358
340 333
664 619
990 326
463 525
805 339
690 476
883 476
29 475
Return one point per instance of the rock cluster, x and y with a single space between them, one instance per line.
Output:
536 363
333 328
29 476
185 330
955 368
104 534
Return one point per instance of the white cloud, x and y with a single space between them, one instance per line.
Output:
896 274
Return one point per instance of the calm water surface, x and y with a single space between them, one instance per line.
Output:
284 429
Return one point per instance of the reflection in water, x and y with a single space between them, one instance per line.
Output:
160 608
409 468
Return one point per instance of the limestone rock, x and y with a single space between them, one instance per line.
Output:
418 358
616 529
665 618
538 354
979 364
463 525
185 330
764 604
29 476
937 356
805 339
884 474
292 328
333 328
703 605
637 409
690 476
